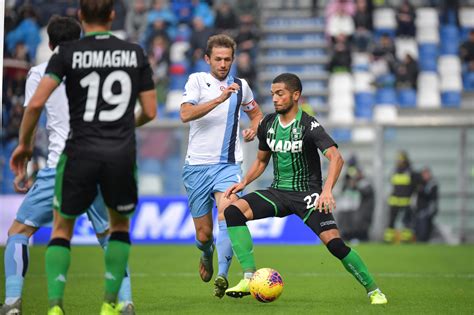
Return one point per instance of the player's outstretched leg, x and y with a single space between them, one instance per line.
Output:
16 266
224 259
125 293
355 266
242 245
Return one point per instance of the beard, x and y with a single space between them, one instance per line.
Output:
285 110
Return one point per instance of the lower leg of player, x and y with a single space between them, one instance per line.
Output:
224 249
352 262
116 259
125 292
240 238
57 261
16 266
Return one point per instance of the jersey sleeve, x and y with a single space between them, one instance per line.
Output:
319 136
32 82
191 90
56 66
262 135
146 75
248 102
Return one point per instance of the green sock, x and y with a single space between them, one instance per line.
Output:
354 264
243 246
57 263
116 259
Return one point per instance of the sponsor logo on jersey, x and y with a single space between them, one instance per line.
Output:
285 145
104 59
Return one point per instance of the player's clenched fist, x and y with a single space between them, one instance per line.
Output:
234 189
233 88
248 134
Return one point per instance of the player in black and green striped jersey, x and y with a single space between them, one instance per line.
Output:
292 139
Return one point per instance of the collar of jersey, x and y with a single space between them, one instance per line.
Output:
298 114
98 33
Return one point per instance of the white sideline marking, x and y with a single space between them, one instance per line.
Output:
293 274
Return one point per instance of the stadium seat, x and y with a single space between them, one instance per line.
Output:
384 19
177 82
340 83
405 46
428 63
427 17
363 81
386 96
150 184
449 40
342 100
451 99
363 134
385 113
449 64
341 134
407 98
450 82
466 17
173 100
468 81
428 90
341 115
427 35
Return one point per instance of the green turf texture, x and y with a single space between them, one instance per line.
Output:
417 279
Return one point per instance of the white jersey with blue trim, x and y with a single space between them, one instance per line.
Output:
57 113
214 138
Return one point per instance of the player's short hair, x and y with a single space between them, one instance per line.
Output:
220 40
62 29
292 82
96 11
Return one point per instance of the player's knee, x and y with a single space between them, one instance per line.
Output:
338 248
20 228
234 217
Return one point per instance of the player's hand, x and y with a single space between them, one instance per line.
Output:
18 162
326 202
226 93
234 189
248 134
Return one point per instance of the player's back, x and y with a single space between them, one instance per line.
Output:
103 77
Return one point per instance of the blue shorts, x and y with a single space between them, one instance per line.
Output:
37 207
202 181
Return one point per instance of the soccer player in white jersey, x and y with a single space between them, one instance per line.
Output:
37 207
212 103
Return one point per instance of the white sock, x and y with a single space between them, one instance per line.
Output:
11 300
376 290
248 275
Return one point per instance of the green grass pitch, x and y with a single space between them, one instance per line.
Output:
417 279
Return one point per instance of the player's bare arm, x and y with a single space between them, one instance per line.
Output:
24 150
326 200
255 116
147 100
257 168
190 112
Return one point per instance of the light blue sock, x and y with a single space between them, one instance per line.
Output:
224 249
16 265
125 292
206 248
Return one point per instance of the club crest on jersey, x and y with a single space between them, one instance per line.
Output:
296 133
222 88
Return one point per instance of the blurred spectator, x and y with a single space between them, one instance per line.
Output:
404 184
340 23
226 20
406 20
198 40
448 11
248 11
335 6
120 15
136 21
363 26
27 33
247 38
407 73
14 119
341 56
466 51
160 20
159 59
426 205
203 10
356 204
383 62
246 70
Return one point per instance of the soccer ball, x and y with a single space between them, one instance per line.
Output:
266 285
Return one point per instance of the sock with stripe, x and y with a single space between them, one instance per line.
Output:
224 249
16 266
57 261
116 260
125 292
240 237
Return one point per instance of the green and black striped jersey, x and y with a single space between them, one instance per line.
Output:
296 163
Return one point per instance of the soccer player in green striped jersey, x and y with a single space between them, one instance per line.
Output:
292 139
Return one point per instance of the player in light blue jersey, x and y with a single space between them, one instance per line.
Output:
212 104
37 207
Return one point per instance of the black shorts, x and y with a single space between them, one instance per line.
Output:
77 181
281 203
